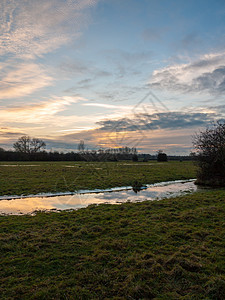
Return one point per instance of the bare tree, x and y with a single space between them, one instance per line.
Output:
37 145
210 153
25 144
81 146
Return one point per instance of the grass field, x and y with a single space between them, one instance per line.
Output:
17 178
169 249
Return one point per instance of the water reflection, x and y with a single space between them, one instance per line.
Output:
79 200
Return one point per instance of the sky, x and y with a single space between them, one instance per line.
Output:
148 74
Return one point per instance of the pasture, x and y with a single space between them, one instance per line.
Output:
17 178
168 249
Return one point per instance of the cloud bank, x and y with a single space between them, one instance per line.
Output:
205 75
168 120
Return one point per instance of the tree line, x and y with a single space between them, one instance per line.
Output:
33 149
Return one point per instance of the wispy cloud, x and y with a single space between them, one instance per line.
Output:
110 106
10 132
32 28
127 63
8 135
133 57
22 79
37 112
205 75
189 41
29 30
153 34
48 118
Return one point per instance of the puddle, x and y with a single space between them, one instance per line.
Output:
66 166
139 164
19 165
67 201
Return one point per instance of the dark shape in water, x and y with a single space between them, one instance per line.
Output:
138 186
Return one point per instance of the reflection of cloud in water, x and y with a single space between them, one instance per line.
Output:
129 196
141 164
28 205
23 206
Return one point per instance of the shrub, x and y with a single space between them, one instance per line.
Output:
162 156
210 147
135 157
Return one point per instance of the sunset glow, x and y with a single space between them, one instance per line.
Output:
144 74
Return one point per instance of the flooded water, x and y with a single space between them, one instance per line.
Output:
47 202
19 165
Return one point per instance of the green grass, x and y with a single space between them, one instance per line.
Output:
169 249
61 177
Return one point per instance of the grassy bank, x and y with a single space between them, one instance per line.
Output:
169 249
17 178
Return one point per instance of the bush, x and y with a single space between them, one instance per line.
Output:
135 157
210 146
162 156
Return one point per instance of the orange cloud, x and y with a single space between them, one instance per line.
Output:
22 80
37 112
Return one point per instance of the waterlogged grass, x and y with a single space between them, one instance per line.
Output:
17 178
169 249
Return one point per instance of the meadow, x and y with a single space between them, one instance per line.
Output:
17 178
167 249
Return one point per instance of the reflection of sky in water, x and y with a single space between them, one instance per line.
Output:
29 205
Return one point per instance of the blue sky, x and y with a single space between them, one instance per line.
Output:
138 73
